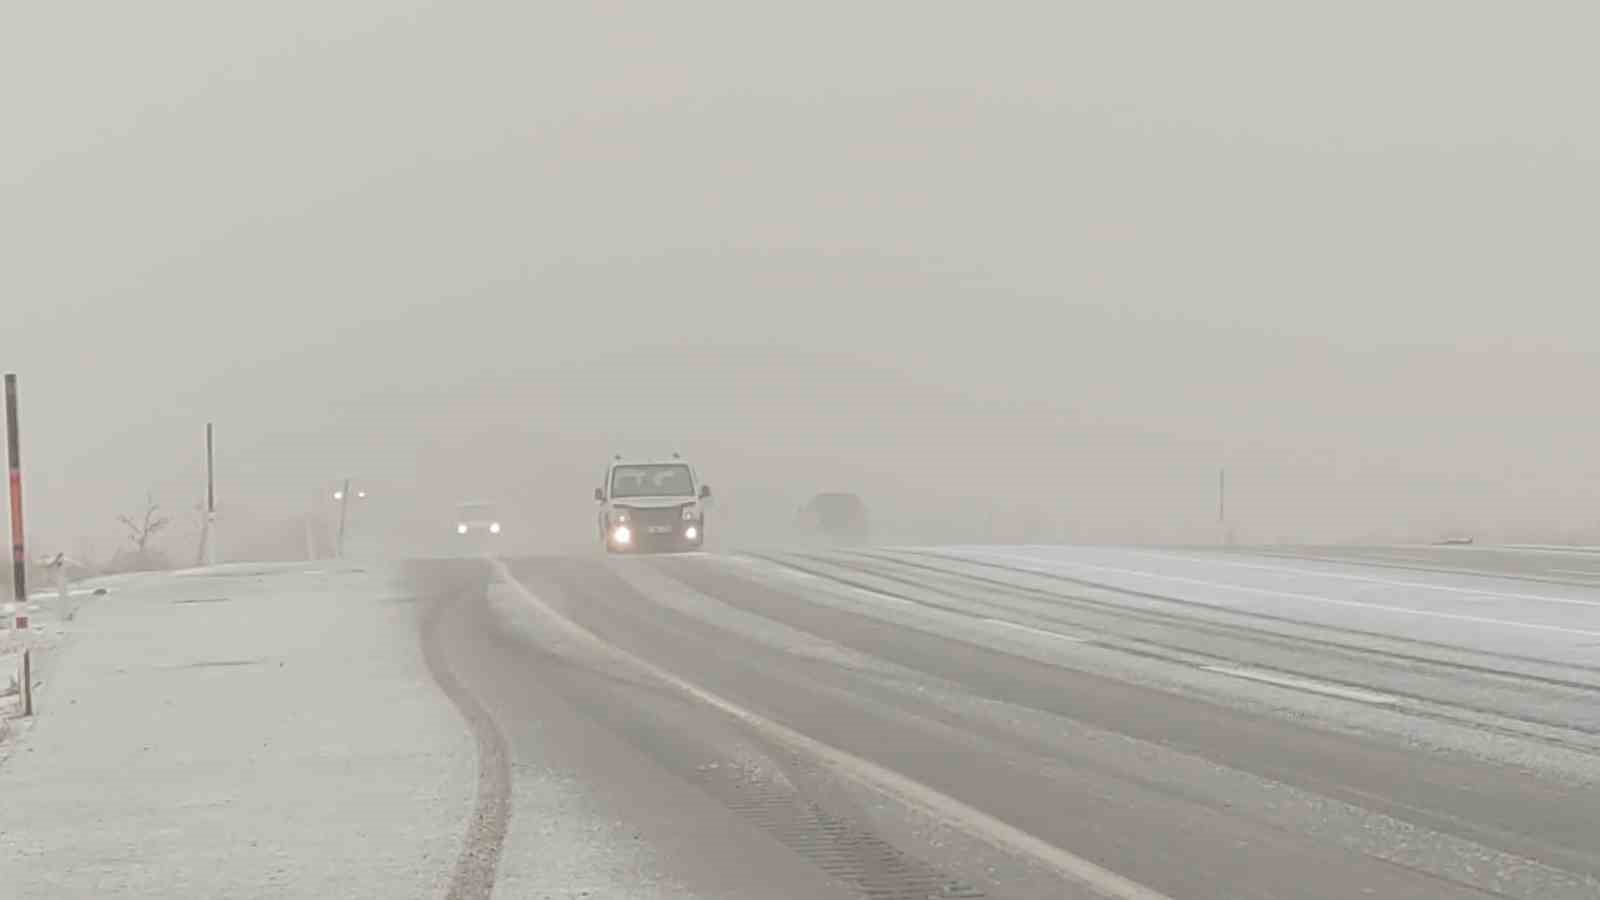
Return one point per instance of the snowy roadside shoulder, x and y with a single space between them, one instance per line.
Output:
51 623
42 641
236 731
10 694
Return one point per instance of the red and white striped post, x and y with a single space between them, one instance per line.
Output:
19 559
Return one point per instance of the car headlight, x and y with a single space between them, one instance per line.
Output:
622 535
494 527
690 514
620 517
461 528
692 533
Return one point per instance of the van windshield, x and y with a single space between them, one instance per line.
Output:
668 480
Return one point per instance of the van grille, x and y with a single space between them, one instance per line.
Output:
645 519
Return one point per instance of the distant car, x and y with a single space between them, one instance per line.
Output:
477 516
839 517
650 505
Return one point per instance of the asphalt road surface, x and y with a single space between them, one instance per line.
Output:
1057 722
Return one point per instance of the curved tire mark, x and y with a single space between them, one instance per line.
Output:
473 878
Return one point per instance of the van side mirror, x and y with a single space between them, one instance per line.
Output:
599 495
705 492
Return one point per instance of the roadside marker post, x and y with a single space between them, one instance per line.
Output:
27 683
19 559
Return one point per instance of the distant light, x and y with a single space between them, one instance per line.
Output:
692 533
461 528
361 495
494 527
338 495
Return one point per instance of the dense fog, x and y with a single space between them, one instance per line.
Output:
986 268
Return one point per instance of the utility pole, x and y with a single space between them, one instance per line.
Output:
211 500
1222 503
344 506
19 558
310 522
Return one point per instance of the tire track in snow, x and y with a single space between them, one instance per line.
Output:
474 874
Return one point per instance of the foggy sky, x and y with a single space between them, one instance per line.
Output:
964 259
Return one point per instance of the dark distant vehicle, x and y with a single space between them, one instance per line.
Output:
651 505
1460 540
838 517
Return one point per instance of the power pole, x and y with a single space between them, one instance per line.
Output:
211 500
19 558
344 506
1222 503
311 541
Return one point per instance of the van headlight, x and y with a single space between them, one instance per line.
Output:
690 514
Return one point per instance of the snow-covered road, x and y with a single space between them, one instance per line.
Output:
1435 598
993 721
1050 722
